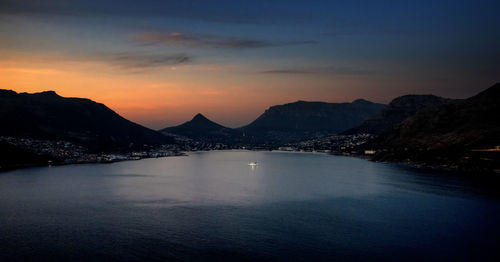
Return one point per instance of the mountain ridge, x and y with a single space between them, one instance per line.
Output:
303 120
47 115
464 133
395 112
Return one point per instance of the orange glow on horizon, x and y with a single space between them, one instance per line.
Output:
154 103
162 97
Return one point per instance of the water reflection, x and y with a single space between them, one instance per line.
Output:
213 206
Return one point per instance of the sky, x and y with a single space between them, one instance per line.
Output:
158 63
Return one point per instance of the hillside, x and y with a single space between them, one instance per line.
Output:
47 115
13 157
395 112
464 133
304 120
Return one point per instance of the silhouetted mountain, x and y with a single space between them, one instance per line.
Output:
203 129
395 112
47 115
304 120
449 134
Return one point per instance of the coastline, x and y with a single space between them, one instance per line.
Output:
66 163
437 167
410 164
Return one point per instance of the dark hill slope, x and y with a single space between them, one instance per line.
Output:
450 134
47 115
395 112
304 120
13 157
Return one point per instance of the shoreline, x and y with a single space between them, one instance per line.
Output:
410 164
64 163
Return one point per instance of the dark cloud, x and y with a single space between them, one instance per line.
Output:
330 70
143 61
207 41
286 71
223 11
346 71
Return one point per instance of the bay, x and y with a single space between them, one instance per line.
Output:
214 206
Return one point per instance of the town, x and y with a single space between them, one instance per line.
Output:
64 152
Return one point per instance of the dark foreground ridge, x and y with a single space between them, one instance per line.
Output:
395 112
463 134
15 157
47 115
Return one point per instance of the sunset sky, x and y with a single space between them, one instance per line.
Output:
160 62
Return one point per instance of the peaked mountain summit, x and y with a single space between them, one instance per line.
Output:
202 128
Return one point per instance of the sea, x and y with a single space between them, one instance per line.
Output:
213 206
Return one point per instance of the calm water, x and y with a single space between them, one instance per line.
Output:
213 206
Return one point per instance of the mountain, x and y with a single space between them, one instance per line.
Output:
395 112
465 133
202 129
303 120
47 115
